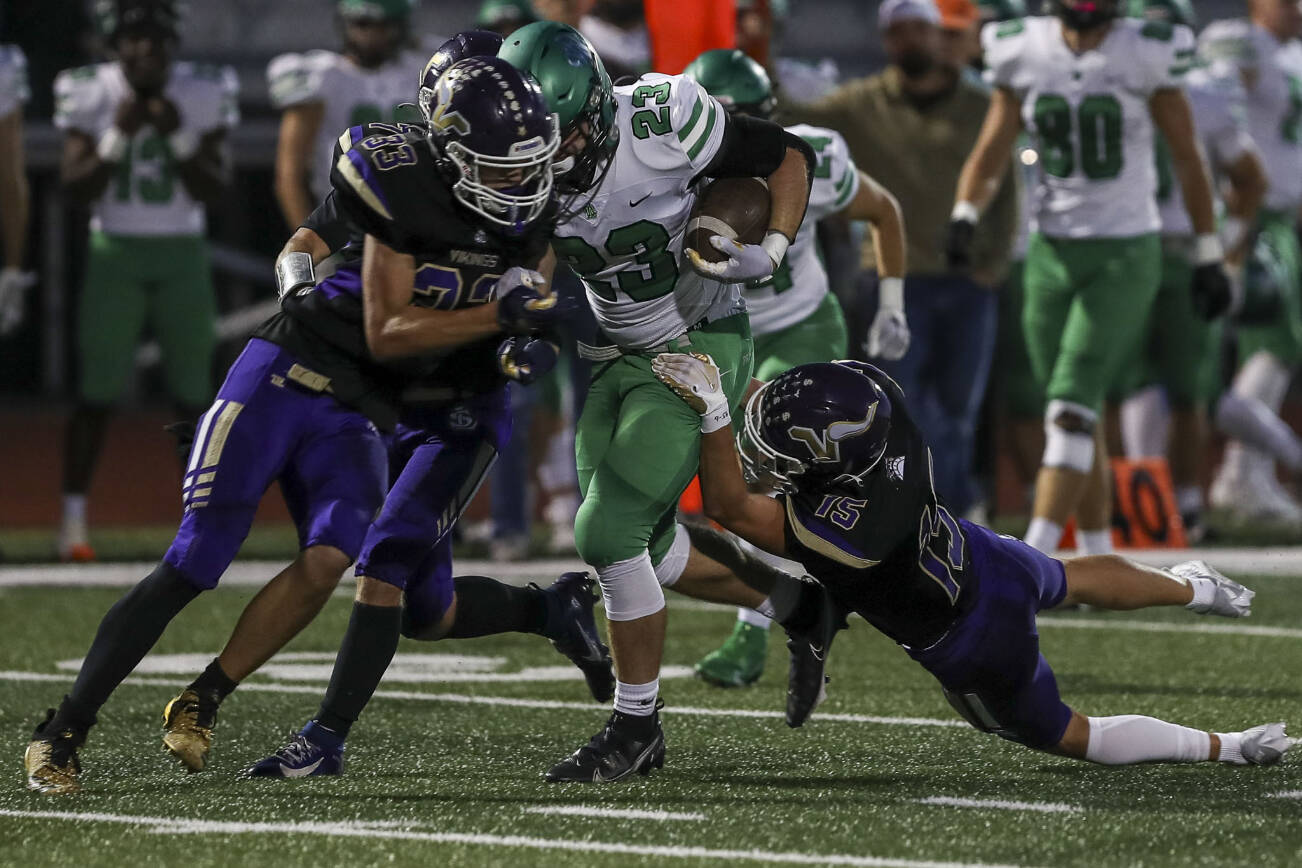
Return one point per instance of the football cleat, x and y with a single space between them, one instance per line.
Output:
188 721
1229 598
303 757
76 553
739 661
51 760
627 744
809 646
1265 745
572 630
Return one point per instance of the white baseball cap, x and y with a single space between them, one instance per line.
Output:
895 11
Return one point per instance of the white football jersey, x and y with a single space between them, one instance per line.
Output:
627 242
1217 104
350 94
13 80
797 288
1088 115
1273 107
146 196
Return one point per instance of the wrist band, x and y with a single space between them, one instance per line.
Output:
293 272
1207 249
714 420
775 243
1234 231
113 145
891 293
184 144
965 211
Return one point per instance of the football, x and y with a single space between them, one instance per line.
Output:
736 208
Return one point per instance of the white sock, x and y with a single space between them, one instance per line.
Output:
1133 738
1043 535
1189 499
638 700
74 519
1145 423
756 618
1231 748
1251 421
1093 542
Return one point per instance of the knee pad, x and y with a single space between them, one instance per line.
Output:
207 542
1069 436
671 566
630 590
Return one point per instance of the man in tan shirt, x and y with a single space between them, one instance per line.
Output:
911 127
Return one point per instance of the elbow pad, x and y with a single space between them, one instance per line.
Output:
751 148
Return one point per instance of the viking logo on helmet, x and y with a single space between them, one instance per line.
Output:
443 119
825 445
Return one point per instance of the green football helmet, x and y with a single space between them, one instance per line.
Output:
738 82
375 10
578 90
1001 10
1168 11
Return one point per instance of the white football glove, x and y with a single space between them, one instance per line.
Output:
695 378
888 337
13 286
745 262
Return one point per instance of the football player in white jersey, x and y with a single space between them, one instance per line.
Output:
631 161
323 92
13 187
1092 89
793 316
1262 51
144 147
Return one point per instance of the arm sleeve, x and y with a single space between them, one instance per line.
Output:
295 79
754 148
13 80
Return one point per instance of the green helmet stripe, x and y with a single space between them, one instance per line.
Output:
696 149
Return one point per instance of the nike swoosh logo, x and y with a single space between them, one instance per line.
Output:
300 773
633 203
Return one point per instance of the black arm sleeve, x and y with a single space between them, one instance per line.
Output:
328 223
754 148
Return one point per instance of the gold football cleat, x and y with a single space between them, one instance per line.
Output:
187 723
51 762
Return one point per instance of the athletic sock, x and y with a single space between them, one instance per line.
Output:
754 617
1125 739
364 655
1043 534
1094 542
214 680
129 629
74 514
1231 748
638 700
486 607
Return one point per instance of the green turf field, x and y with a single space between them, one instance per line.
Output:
446 763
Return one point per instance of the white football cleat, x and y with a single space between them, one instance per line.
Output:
1254 495
1265 745
1214 593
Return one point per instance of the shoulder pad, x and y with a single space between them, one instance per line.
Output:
294 78
674 122
836 179
78 93
1002 43
382 175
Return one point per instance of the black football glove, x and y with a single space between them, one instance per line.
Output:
1211 290
958 244
525 359
524 307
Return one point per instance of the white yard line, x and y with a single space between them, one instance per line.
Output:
1124 623
610 813
509 701
170 825
1287 794
1237 561
1000 804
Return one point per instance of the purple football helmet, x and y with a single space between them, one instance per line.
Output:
467 43
494 138
824 423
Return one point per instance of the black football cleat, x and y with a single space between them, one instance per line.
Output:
573 631
809 645
50 760
627 744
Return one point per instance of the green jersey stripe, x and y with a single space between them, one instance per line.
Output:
686 132
696 149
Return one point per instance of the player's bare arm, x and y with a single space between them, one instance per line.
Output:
983 172
756 518
298 128
394 326
1173 118
875 204
83 172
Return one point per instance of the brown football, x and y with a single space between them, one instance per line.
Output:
736 208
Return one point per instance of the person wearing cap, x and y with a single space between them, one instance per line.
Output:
910 127
960 27
505 16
